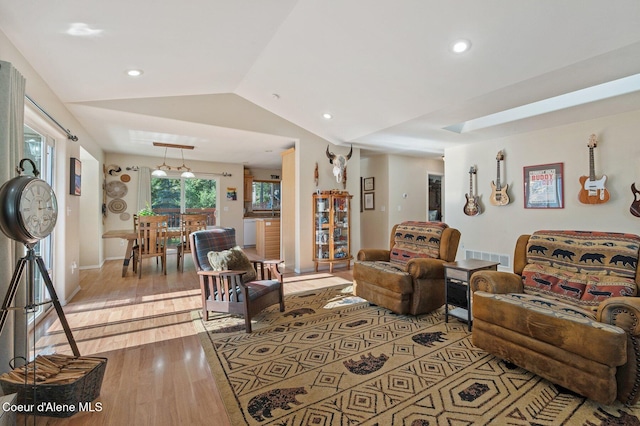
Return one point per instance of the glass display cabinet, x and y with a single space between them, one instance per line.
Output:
332 231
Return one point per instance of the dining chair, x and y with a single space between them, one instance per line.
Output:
226 291
152 242
188 223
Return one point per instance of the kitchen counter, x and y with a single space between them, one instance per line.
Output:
261 216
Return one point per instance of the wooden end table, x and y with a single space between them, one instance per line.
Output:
457 291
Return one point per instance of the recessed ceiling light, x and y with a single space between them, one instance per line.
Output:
461 46
135 73
327 116
82 30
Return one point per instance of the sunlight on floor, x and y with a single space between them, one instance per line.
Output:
123 322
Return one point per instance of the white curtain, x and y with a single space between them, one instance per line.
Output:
144 188
12 90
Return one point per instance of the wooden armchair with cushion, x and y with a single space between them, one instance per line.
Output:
229 281
408 278
569 312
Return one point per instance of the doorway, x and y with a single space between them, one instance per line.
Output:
435 206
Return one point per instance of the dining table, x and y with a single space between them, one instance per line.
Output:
131 236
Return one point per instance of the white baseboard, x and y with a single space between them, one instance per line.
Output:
82 268
63 302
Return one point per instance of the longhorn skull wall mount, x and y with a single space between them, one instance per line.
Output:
339 163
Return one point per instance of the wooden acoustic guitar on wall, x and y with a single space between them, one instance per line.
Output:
499 196
592 190
471 207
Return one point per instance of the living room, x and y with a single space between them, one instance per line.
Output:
558 138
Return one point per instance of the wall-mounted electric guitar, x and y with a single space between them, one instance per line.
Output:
635 206
499 196
471 207
593 190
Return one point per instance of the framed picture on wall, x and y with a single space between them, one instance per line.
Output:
232 194
543 186
369 201
369 184
75 177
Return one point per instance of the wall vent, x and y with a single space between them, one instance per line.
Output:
504 259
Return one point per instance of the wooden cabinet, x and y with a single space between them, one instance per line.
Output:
248 188
332 228
268 238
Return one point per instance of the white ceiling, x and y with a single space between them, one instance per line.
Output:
382 68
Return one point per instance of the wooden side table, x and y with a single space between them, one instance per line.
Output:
457 291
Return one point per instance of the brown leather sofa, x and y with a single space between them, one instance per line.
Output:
408 278
568 313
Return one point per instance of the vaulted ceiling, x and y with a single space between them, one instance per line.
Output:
382 68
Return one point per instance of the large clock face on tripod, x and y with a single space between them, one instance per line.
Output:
28 213
28 209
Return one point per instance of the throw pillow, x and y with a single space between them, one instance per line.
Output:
233 259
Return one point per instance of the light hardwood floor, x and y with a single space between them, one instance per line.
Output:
157 373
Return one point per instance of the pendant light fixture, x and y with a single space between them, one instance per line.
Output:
163 168
187 171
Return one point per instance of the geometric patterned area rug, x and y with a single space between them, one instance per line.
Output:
332 359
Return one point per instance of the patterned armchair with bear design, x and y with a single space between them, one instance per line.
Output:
408 278
568 313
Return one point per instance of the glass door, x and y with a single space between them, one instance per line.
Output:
322 226
341 227
200 197
172 196
40 149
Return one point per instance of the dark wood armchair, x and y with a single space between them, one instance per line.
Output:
225 291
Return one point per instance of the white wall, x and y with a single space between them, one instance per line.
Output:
394 176
497 228
374 224
408 187
91 255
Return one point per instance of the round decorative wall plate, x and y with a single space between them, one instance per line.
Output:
116 189
114 169
117 206
125 178
125 216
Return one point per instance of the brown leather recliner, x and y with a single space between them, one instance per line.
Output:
409 277
568 313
